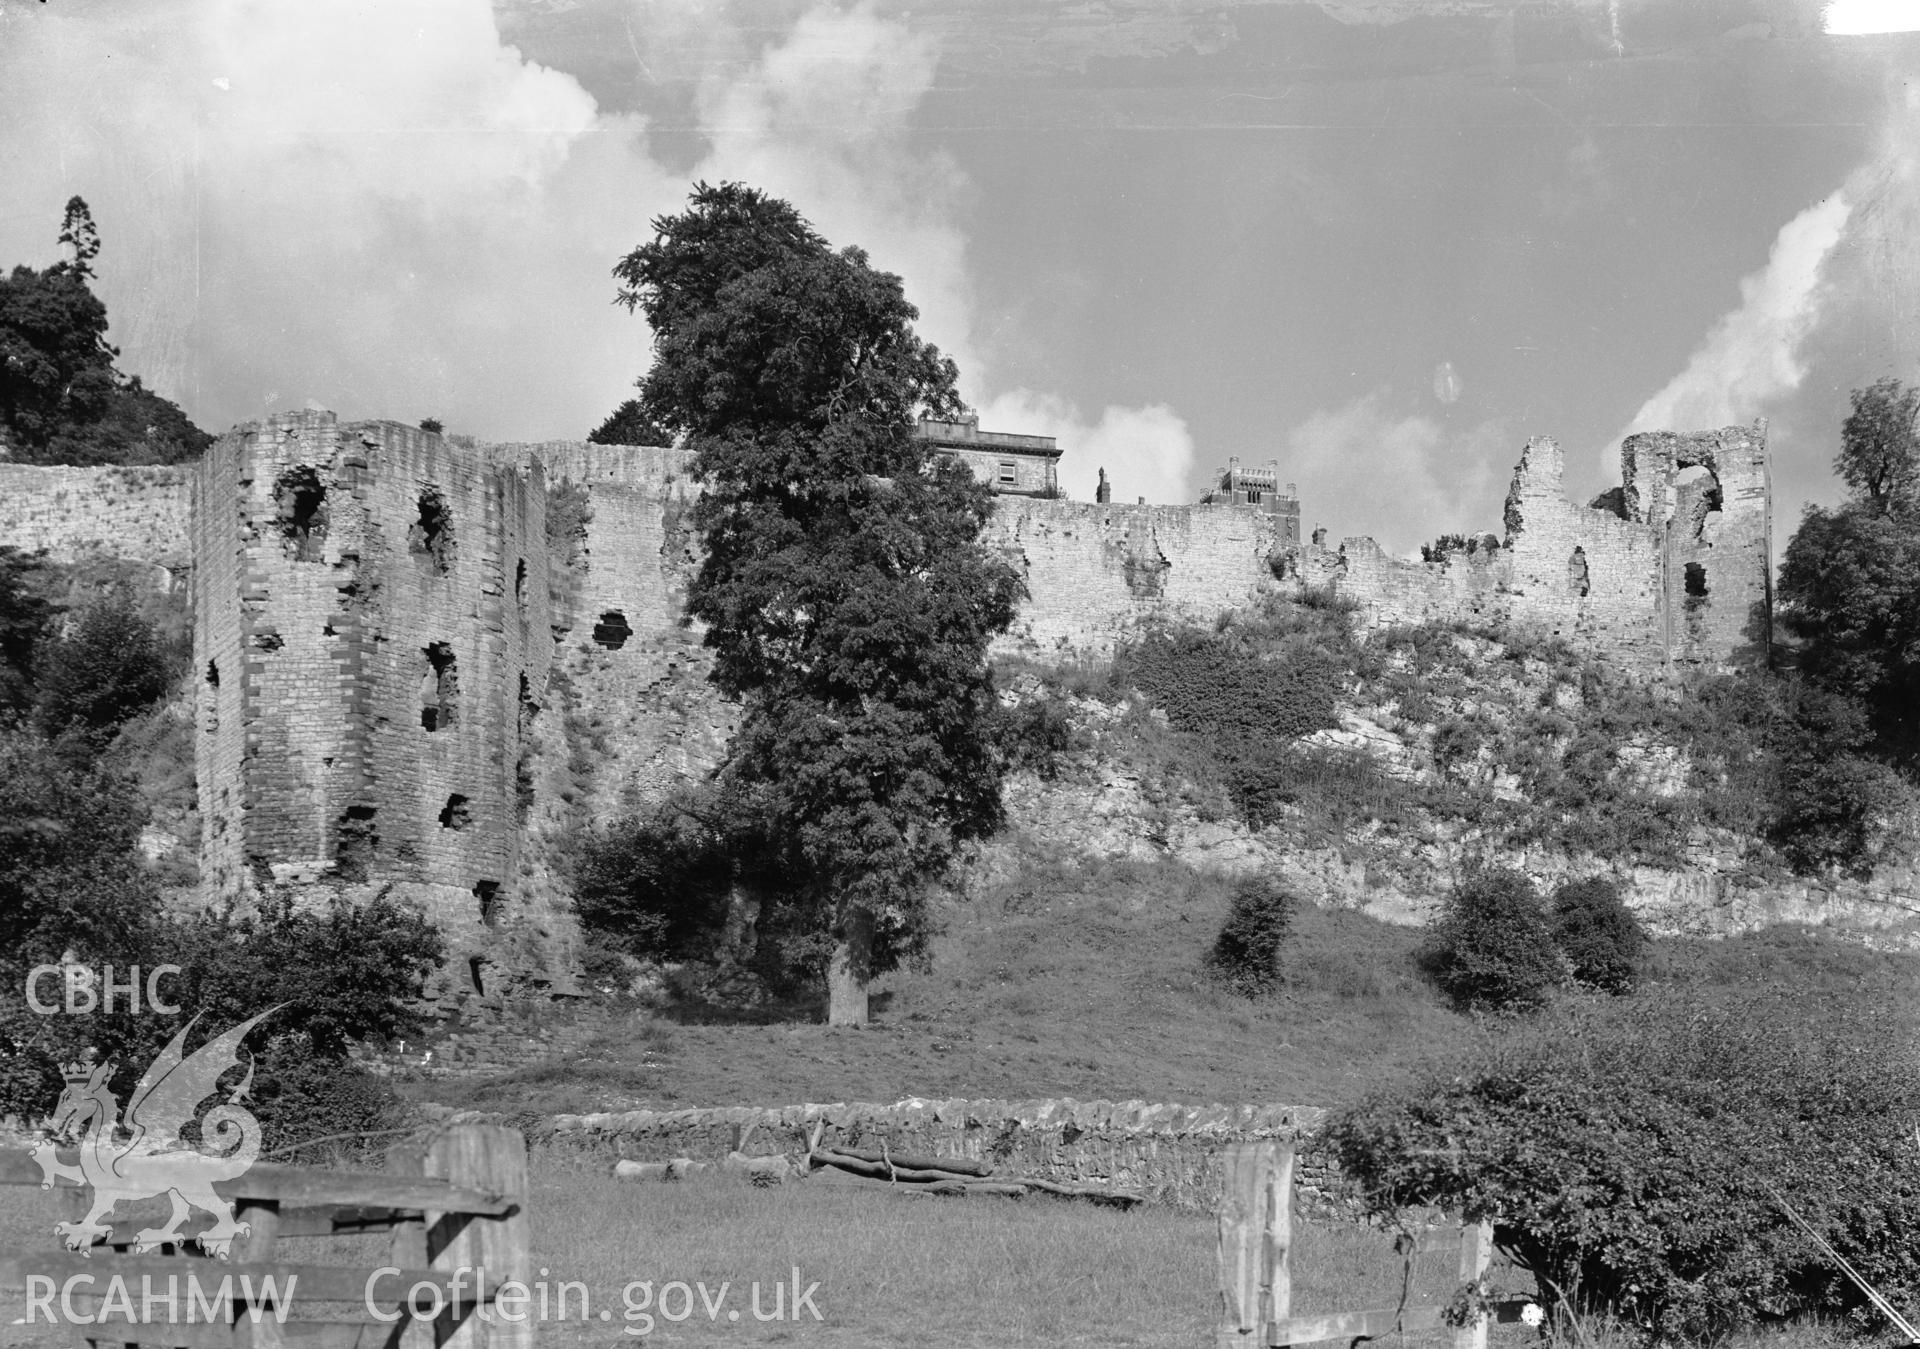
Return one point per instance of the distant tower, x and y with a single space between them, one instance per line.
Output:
1104 492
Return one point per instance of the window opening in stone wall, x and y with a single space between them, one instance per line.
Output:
354 842
1709 500
440 688
1696 582
1008 471
612 630
487 895
1578 577
474 964
520 584
456 814
213 674
300 504
431 537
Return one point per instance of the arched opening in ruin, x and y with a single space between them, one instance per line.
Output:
1697 500
456 814
612 630
431 537
440 688
474 965
1578 577
300 508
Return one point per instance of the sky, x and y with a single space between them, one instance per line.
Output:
1380 242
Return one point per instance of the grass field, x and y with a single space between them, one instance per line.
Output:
1086 980
891 1269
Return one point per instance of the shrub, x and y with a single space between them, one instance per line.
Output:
313 1107
1246 955
1491 947
1211 684
1597 933
108 668
348 974
1034 734
1625 1152
654 886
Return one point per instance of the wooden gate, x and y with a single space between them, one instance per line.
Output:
1256 1274
451 1209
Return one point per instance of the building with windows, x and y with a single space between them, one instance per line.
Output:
1012 465
1260 488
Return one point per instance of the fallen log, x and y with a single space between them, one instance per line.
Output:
1121 1198
960 1166
860 1166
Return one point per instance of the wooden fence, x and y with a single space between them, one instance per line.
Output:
455 1207
1256 1272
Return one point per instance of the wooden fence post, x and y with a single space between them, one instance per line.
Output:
1476 1253
410 1241
487 1157
1255 1204
1280 1241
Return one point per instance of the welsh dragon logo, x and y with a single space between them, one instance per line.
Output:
148 1157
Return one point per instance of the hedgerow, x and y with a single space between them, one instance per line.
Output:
1629 1153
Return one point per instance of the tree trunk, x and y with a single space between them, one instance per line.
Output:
849 971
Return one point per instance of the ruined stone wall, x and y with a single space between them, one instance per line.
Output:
1709 498
1614 578
1578 573
629 713
378 623
1094 570
139 513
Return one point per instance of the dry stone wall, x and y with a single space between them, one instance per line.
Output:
1169 1151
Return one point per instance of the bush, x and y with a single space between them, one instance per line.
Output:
1033 735
1246 955
1211 683
1625 1152
654 886
1599 936
349 974
110 667
314 1108
1491 947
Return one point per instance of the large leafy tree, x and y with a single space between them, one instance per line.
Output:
1850 582
847 598
61 399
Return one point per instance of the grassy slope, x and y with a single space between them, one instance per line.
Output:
1086 981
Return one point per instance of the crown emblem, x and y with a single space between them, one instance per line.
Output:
81 1069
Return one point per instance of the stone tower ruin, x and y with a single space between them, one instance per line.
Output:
371 625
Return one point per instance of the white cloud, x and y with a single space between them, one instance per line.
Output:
1872 16
1839 284
1402 480
382 207
1752 355
1146 451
